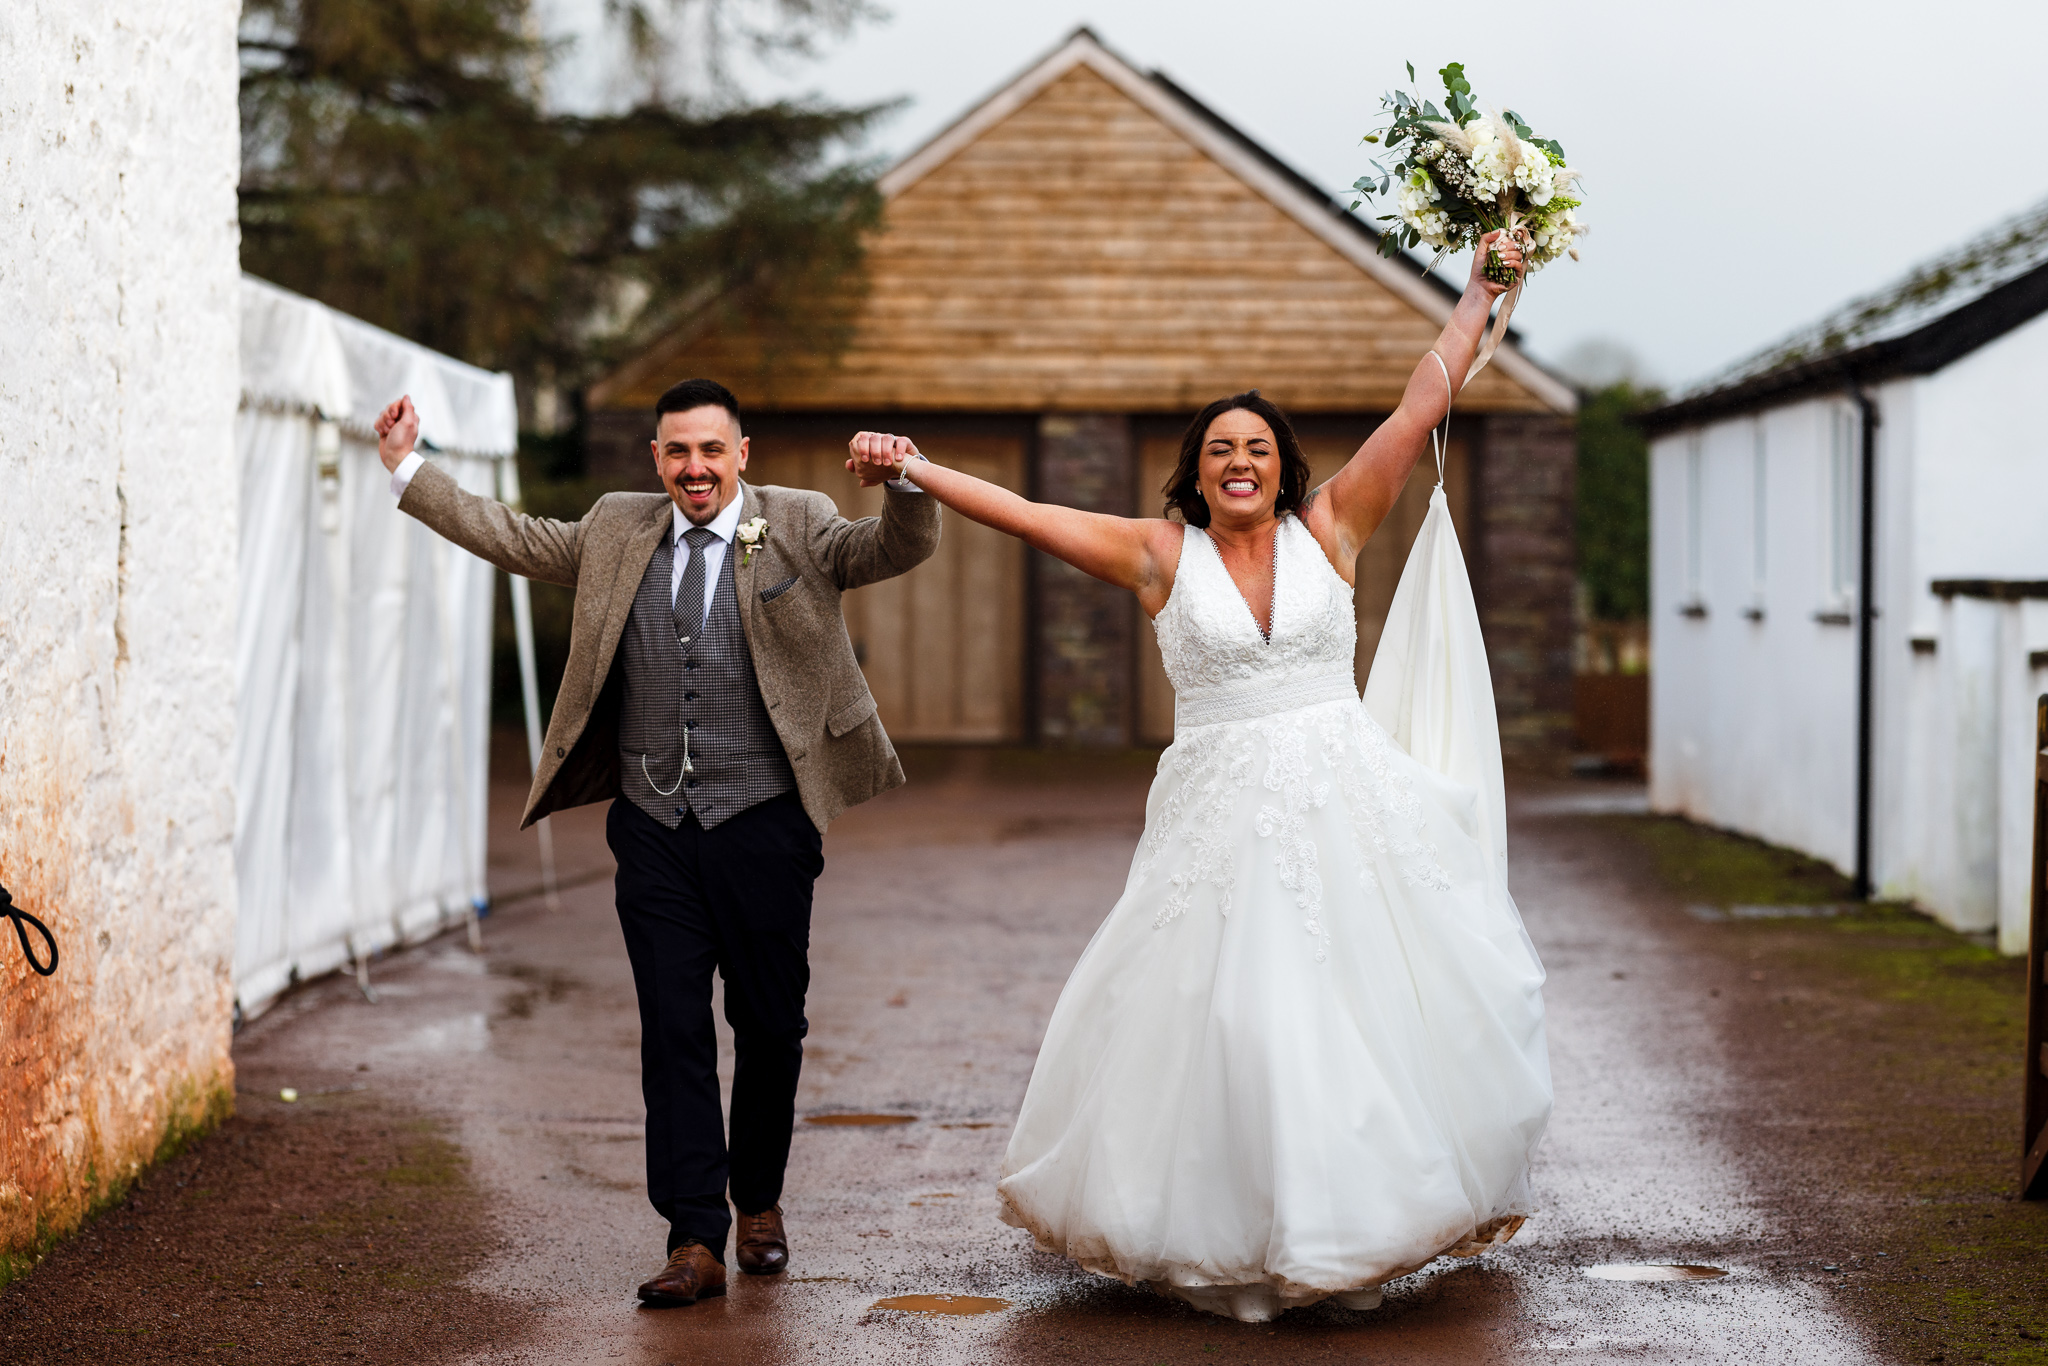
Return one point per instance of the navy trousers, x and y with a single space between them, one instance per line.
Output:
735 899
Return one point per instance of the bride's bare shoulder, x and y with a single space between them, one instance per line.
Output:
1320 522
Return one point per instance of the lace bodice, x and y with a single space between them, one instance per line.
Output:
1221 667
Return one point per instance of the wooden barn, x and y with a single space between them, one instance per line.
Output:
1061 278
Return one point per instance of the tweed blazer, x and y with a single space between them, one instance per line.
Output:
788 591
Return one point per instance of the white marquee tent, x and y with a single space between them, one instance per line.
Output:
364 648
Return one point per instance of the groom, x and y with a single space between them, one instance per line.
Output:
712 685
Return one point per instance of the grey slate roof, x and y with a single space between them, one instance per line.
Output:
1941 311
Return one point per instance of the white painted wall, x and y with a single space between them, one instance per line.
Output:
119 152
1753 721
1752 718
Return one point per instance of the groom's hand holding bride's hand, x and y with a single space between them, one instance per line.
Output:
878 456
398 431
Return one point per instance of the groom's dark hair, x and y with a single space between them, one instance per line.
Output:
1182 491
696 393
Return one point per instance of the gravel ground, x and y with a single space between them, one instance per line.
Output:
480 1197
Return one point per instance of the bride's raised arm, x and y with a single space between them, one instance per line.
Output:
1137 553
1349 508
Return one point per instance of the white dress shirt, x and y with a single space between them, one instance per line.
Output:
723 526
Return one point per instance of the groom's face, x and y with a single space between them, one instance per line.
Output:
700 454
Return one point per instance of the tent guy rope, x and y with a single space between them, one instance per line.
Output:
22 920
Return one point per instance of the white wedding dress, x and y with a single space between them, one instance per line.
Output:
1304 1054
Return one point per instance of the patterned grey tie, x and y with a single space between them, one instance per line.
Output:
689 604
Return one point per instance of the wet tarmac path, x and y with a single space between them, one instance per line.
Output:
936 960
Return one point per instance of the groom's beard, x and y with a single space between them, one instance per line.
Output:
708 514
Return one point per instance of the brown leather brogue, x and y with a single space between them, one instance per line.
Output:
692 1274
763 1247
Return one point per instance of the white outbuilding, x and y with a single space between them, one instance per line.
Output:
1849 586
363 648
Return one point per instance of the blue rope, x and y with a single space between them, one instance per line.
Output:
22 920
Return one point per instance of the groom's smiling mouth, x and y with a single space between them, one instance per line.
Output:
700 490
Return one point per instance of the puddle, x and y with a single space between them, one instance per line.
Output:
1639 1271
469 1033
942 1304
838 1121
1717 915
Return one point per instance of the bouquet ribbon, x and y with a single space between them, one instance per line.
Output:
1499 330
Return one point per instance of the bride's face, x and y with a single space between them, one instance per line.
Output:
1240 474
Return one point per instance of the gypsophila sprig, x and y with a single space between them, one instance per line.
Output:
1459 174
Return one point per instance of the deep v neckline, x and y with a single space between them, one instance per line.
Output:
1272 607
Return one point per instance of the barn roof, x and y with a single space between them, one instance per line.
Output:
1093 238
1939 312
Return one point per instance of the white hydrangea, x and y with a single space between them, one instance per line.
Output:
1419 190
1418 193
1552 236
1488 159
1534 175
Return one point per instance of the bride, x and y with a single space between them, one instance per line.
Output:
1304 1053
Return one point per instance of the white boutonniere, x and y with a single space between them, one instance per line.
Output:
751 532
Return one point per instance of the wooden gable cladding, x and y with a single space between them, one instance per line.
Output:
1083 254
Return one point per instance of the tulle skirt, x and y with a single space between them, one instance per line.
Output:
1304 1054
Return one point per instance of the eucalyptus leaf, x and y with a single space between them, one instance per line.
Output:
1411 69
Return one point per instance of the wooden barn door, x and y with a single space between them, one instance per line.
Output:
1328 445
942 646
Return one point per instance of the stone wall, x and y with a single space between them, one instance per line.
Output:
118 386
1085 643
1528 564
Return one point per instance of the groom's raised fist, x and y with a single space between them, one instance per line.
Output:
398 431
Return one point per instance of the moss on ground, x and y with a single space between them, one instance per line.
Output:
1720 868
1897 1106
192 1112
336 1229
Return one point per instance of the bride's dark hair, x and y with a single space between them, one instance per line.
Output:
1183 494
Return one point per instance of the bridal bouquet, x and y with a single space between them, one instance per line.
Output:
1463 174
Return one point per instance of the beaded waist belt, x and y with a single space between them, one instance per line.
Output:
1243 703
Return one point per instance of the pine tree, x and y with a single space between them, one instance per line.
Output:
399 163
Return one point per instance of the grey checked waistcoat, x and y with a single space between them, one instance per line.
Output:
706 688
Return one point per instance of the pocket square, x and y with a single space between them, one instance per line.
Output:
771 594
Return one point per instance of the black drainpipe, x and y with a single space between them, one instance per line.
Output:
1866 636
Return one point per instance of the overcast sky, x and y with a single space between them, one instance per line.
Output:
1750 164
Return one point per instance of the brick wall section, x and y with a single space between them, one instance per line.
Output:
1082 653
1528 565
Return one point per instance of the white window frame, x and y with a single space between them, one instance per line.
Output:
1759 520
1841 529
1694 601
